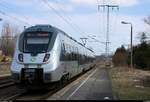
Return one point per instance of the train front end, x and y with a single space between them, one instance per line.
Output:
33 59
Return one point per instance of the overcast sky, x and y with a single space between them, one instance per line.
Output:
83 17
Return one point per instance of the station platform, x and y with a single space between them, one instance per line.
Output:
93 85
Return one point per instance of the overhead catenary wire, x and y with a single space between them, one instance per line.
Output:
69 18
10 16
8 7
114 22
3 3
101 26
108 7
75 27
101 17
59 15
13 17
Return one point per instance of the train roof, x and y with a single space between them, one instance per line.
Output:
73 39
49 28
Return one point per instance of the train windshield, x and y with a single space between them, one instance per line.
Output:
36 42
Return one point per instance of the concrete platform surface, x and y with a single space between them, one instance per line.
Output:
94 85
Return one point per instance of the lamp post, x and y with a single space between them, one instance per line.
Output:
0 36
131 41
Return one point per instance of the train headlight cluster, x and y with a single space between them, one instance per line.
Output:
20 57
46 57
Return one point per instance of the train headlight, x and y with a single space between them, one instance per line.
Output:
46 57
20 57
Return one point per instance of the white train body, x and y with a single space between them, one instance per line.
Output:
45 54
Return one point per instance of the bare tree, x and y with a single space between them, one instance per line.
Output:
147 20
143 37
8 38
120 57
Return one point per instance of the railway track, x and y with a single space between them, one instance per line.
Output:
34 95
38 94
6 82
8 90
41 94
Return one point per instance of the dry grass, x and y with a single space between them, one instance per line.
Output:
1 57
129 84
4 68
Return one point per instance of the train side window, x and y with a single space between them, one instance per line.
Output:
74 53
68 47
62 53
77 54
66 54
71 53
63 47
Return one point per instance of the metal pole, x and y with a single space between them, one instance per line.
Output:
107 33
130 43
1 38
107 36
131 47
84 41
